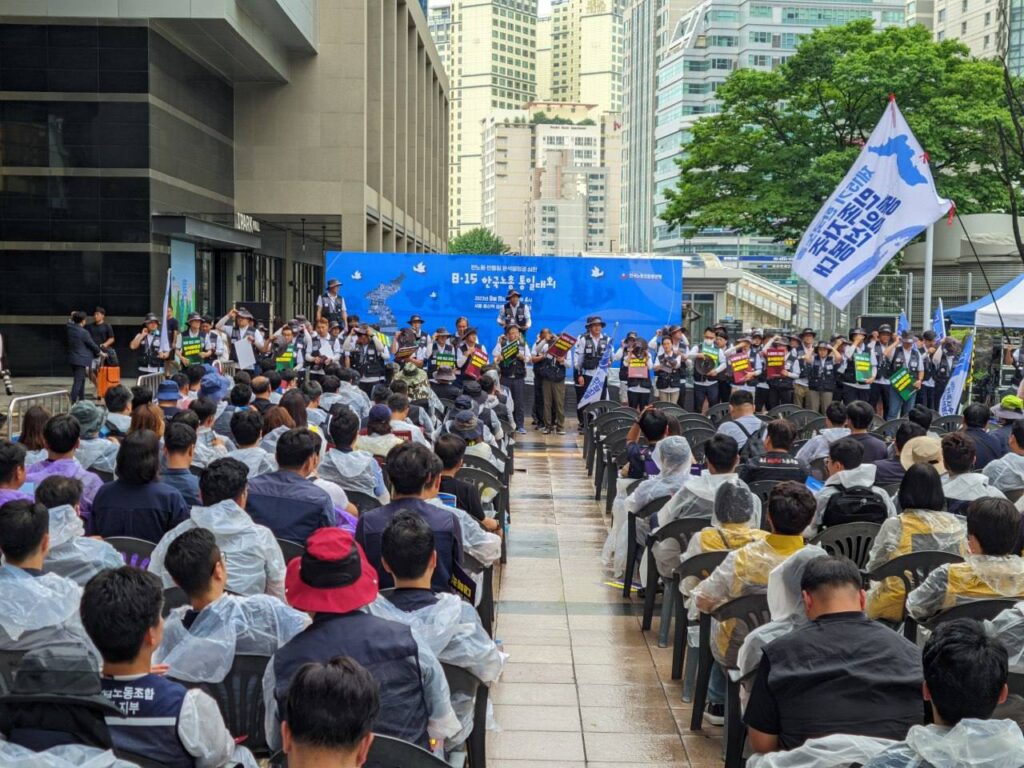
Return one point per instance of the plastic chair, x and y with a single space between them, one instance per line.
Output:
604 425
945 424
693 420
643 513
888 430
588 414
700 567
811 427
174 597
783 411
891 489
697 436
912 569
681 530
818 469
753 611
718 414
478 462
291 549
134 552
761 489
485 608
801 418
389 752
483 481
9 661
852 540
613 472
465 682
364 502
507 459
1015 682
240 699
106 477
697 444
980 610
606 450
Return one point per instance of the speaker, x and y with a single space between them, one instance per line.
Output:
871 323
260 311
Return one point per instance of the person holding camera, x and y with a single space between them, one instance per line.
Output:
147 341
332 306
669 371
82 350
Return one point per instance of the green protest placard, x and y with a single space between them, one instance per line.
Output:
862 363
902 382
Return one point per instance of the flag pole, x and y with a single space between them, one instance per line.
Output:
929 259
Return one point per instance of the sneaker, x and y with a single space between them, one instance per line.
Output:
546 431
560 430
715 713
521 431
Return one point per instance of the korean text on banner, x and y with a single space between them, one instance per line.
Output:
775 361
740 368
709 350
638 368
862 366
949 405
445 359
510 351
885 200
939 323
902 382
562 345
476 364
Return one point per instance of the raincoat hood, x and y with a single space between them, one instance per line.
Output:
34 603
826 752
831 434
1008 627
969 744
968 486
864 475
65 525
269 443
224 517
1006 473
1003 574
349 470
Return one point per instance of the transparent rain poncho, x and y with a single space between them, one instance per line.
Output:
254 561
63 756
269 443
98 454
483 546
451 629
913 530
970 743
673 458
353 397
73 555
979 577
231 625
1006 473
1008 627
256 459
350 470
786 605
840 749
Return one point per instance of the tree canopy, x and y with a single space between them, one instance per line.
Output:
479 240
784 139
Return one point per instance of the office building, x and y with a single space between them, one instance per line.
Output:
1011 35
492 66
586 52
544 58
231 143
439 22
710 42
553 189
975 23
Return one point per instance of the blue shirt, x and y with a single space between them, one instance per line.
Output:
143 511
184 482
289 505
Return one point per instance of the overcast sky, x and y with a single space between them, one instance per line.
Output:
543 7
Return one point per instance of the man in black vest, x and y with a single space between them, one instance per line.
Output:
331 305
514 312
335 583
586 360
510 357
367 355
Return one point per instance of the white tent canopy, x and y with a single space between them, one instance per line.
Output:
982 313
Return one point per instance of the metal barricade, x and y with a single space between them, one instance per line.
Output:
53 402
150 380
227 367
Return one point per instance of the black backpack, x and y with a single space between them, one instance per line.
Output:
854 505
754 446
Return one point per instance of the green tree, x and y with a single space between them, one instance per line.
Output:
784 139
479 240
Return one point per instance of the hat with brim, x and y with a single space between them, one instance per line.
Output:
468 332
214 386
168 390
675 329
885 328
472 389
90 417
467 426
512 292
333 283
822 344
331 576
923 450
794 337
756 332
150 318
1010 408
808 332
444 374
595 320
414 319
335 325
245 313
857 332
442 332
194 317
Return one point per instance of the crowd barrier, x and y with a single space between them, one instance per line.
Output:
53 402
150 380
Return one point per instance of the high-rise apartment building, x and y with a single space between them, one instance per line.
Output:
586 52
710 42
492 65
553 189
1011 35
648 25
544 58
975 23
439 22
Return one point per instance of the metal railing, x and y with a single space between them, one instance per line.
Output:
53 402
151 380
226 367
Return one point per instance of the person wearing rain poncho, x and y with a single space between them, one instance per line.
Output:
36 608
352 469
992 570
744 572
94 452
201 639
255 563
1007 472
72 554
247 428
696 499
964 681
847 470
673 458
445 622
836 429
960 484
921 526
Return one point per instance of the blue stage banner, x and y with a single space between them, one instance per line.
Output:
642 295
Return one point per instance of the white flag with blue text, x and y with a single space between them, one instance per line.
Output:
939 323
949 405
902 324
165 339
596 387
886 199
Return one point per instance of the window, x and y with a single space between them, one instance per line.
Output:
760 37
722 16
893 17
760 11
721 64
911 9
986 41
723 41
988 18
963 6
759 60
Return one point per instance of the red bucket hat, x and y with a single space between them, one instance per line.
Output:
332 576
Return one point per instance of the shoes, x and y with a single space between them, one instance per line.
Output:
546 431
521 431
715 713
560 431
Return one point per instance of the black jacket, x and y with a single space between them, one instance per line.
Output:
82 350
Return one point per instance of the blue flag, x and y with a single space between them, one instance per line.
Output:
939 323
596 386
902 324
949 405
165 339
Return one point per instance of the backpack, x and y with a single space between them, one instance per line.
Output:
754 446
854 505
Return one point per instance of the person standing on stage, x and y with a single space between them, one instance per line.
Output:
537 355
419 338
469 343
551 371
586 359
904 354
800 386
332 306
942 360
82 350
708 362
780 388
822 372
879 348
514 311
512 370
853 389
191 347
760 382
367 355
324 348
668 372
441 344
151 359
213 340
637 360
238 325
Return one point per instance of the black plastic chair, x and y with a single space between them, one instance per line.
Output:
485 609
697 445
945 424
364 502
811 427
9 662
135 552
695 421
697 436
106 477
291 549
507 460
589 414
912 569
389 752
607 447
643 513
1015 682
718 414
852 540
802 417
604 425
700 567
484 481
753 611
979 610
478 462
681 530
464 682
240 699
174 597
818 469
888 430
761 489
891 489
783 411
